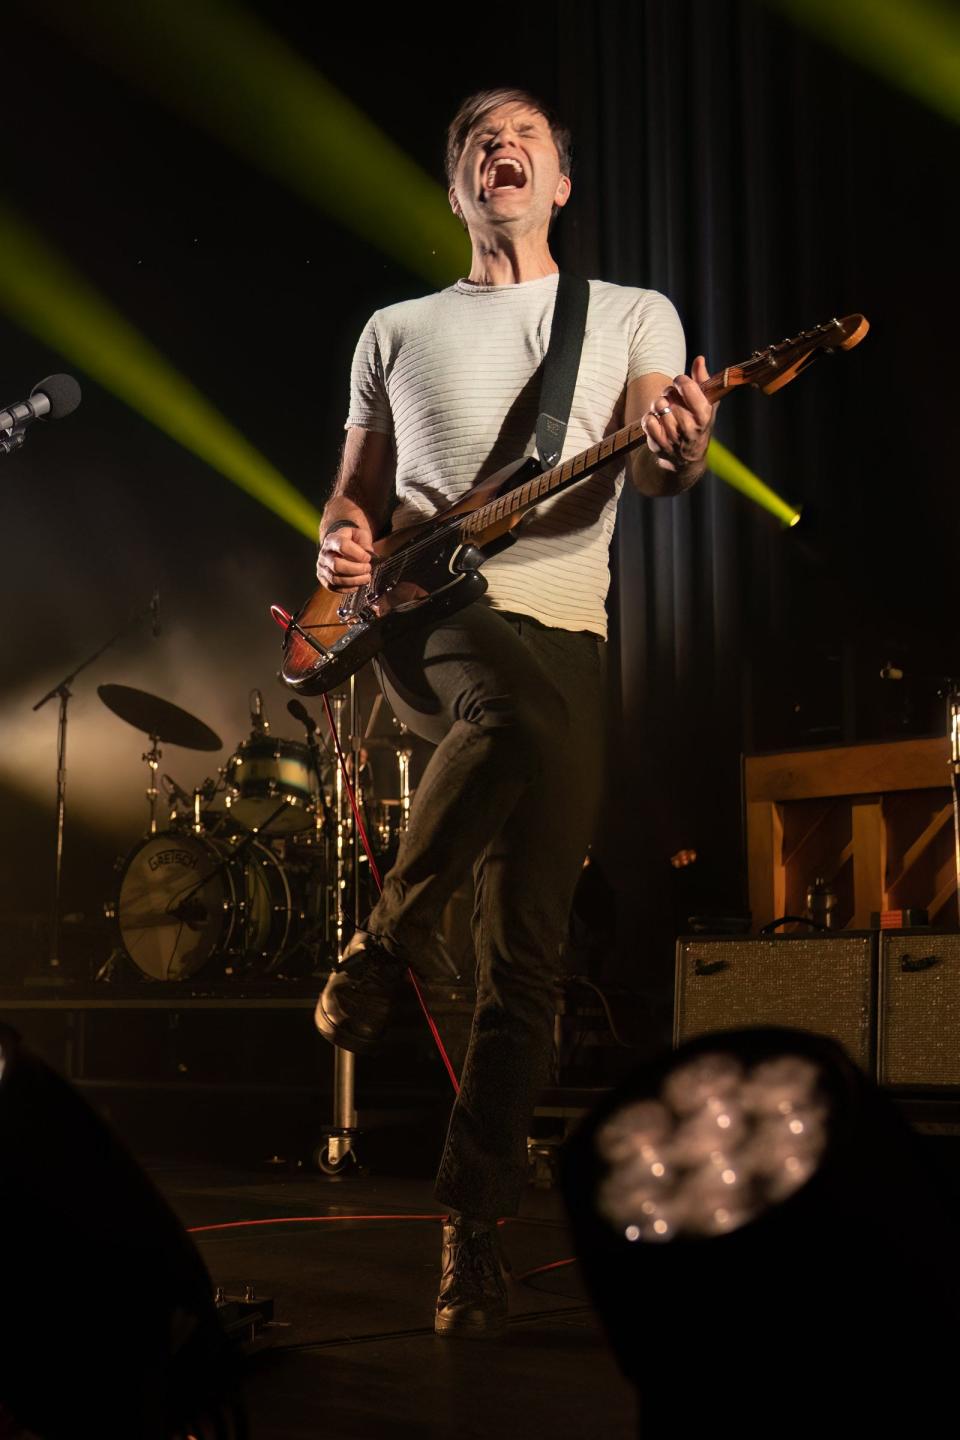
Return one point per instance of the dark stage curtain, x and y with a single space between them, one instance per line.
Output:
765 184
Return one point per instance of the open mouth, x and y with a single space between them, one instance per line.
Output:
504 173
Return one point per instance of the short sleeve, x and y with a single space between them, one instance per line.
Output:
369 403
657 344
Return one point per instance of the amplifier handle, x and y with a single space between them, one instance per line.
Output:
924 962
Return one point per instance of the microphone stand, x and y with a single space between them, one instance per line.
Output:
62 689
339 1151
11 440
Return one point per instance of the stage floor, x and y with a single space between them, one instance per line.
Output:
353 1354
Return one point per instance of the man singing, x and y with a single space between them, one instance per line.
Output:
445 390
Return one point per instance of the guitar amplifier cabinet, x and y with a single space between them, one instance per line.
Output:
919 1009
823 983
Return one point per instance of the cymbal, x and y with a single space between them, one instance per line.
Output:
153 716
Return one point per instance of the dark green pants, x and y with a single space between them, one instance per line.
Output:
515 711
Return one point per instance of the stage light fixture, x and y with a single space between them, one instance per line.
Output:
43 294
109 1325
222 68
727 467
755 1220
915 47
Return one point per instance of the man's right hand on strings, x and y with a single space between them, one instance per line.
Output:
344 559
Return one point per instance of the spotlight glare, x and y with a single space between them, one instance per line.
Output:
915 47
231 75
727 467
44 295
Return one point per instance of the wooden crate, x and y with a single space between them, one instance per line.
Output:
875 820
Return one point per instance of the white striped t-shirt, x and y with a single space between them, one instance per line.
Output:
453 378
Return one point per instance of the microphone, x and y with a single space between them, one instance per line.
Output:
57 396
300 712
208 789
155 613
256 711
178 792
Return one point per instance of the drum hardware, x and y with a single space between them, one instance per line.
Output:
404 756
185 899
159 720
152 757
403 750
63 692
338 1154
242 884
192 807
263 771
325 826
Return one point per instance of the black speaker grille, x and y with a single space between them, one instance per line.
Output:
823 983
919 1009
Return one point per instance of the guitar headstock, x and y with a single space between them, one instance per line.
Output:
776 365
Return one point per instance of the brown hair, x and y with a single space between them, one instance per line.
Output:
476 106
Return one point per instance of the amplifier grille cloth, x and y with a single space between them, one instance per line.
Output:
824 985
920 1011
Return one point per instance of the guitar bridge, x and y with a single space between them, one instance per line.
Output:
359 606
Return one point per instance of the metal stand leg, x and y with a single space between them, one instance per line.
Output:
953 729
153 757
404 755
338 1154
64 694
339 1150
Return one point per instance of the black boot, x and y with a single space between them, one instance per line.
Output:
473 1294
358 998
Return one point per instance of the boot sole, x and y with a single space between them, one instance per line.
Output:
337 1035
458 1330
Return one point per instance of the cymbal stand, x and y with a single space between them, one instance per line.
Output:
339 1151
153 757
63 691
340 812
325 835
404 755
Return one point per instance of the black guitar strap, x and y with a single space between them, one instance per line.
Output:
560 366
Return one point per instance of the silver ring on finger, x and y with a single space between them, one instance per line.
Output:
665 411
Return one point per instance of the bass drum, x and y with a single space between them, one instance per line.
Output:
186 899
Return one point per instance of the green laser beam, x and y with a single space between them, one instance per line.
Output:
217 64
43 294
728 468
221 67
915 46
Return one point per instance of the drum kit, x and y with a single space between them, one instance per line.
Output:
250 873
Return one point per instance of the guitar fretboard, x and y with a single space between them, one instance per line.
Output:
532 491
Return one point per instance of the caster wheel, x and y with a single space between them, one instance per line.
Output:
348 1164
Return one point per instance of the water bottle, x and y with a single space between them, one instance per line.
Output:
821 905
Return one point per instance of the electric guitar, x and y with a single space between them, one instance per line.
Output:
426 571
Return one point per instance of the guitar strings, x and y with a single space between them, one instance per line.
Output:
391 569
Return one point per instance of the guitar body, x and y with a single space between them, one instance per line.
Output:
427 571
434 574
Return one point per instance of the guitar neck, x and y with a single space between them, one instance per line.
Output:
550 482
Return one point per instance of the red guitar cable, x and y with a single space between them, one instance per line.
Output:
362 832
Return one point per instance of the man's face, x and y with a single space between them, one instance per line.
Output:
509 172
